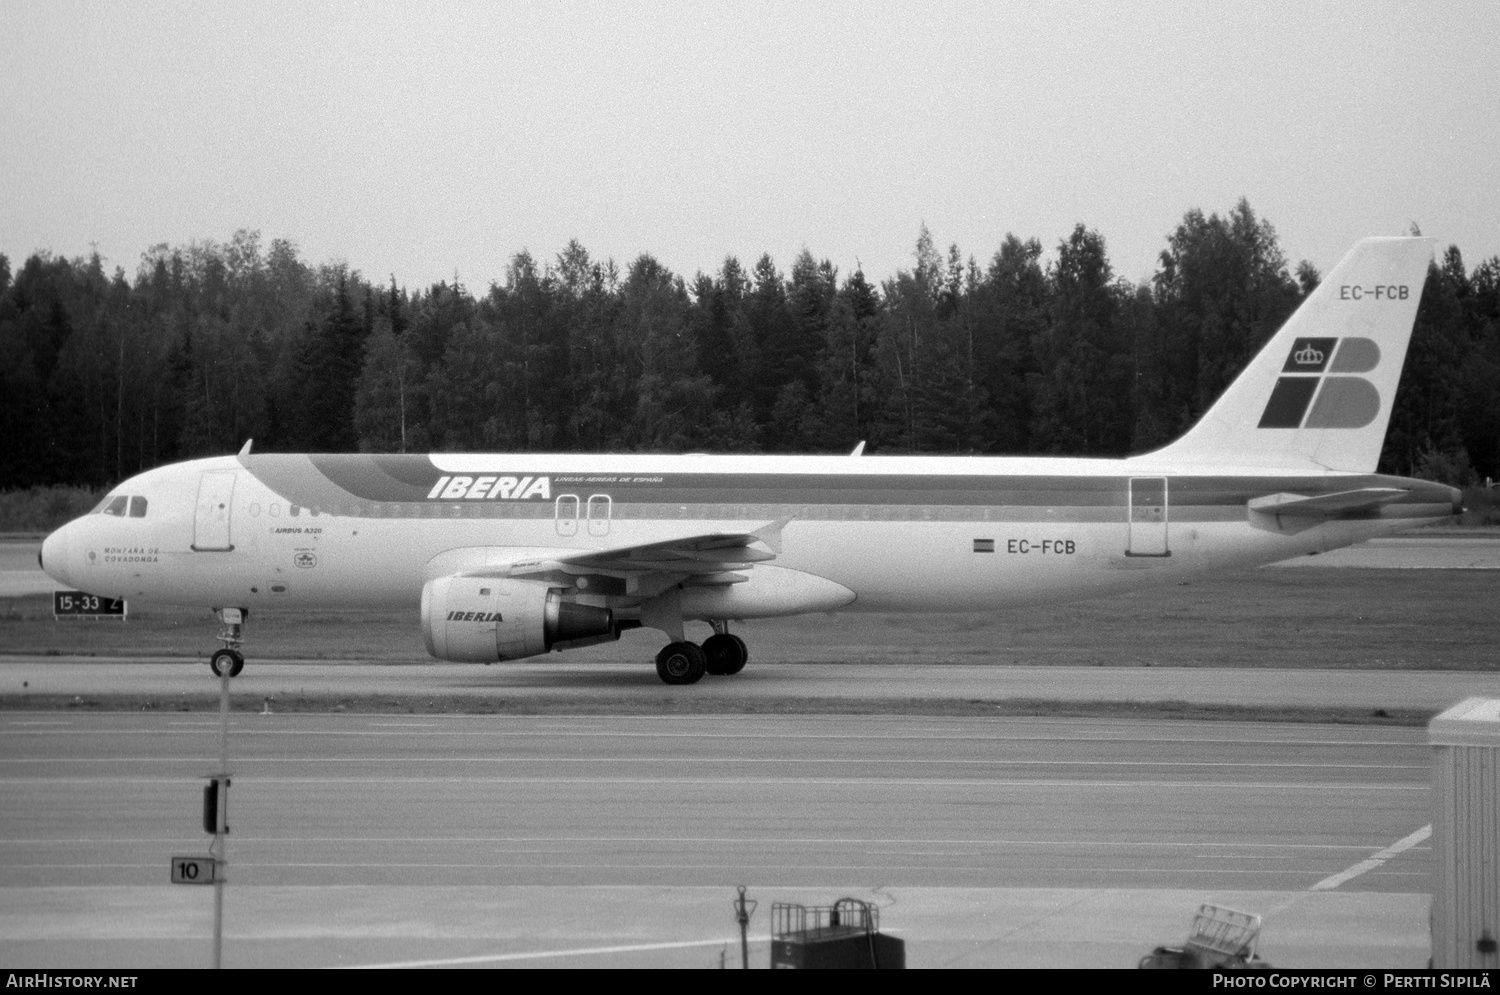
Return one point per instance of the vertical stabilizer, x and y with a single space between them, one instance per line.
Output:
1319 394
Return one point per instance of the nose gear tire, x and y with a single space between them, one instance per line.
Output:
226 661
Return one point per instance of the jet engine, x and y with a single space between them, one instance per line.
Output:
482 619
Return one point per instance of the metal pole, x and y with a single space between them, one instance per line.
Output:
222 794
742 913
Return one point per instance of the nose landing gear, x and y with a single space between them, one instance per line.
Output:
229 660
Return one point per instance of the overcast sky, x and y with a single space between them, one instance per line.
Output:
424 141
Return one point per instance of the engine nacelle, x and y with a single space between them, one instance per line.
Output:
482 620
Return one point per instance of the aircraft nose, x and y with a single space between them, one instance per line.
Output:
54 557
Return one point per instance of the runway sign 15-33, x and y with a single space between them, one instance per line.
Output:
76 604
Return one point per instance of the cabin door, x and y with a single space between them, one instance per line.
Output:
600 510
211 522
1148 517
565 514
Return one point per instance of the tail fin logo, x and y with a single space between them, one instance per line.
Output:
1308 356
1342 401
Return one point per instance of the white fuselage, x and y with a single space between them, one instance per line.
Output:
957 534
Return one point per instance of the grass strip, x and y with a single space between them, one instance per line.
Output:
677 704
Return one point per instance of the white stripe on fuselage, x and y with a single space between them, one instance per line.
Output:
475 464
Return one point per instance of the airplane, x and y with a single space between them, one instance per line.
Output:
513 556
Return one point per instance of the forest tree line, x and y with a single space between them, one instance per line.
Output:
210 344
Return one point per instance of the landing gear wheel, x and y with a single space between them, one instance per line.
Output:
226 661
726 653
744 655
681 663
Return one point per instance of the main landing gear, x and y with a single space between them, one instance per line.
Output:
686 662
726 653
229 661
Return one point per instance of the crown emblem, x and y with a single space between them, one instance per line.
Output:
1307 356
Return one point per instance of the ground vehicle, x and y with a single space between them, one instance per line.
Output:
1220 938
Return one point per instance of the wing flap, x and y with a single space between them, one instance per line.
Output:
703 559
717 579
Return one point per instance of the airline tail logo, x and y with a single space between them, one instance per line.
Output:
1342 401
1308 356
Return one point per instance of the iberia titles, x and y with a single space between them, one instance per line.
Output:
490 489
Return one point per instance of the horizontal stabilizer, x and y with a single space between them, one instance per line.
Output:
1325 505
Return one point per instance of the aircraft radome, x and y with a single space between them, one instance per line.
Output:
510 556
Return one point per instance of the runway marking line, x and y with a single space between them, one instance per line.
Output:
767 841
1043 916
873 779
716 865
1375 860
886 761
717 840
189 728
543 954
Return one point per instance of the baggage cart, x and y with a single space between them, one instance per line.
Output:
1221 938
845 934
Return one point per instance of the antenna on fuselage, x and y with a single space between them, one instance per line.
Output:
859 450
245 449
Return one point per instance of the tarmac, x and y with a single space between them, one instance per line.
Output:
616 686
494 841
618 840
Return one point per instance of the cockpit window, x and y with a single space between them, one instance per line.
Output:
137 507
115 506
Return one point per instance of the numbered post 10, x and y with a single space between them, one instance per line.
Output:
194 870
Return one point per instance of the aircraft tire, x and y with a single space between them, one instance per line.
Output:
743 658
226 661
681 663
726 653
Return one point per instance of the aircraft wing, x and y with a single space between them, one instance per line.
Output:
1325 505
646 569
